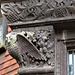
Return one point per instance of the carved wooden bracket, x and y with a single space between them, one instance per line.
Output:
34 49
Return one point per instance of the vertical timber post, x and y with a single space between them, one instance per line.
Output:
61 56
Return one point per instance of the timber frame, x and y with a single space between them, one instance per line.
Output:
50 17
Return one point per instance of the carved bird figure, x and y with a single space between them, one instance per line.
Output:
20 48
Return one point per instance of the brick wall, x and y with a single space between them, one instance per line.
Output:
8 65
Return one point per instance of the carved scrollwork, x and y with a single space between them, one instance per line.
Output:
29 10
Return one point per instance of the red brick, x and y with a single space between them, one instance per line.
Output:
9 30
6 53
12 72
9 69
7 64
5 59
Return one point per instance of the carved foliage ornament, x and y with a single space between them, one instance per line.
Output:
38 9
32 49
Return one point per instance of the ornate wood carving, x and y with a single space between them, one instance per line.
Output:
29 10
35 51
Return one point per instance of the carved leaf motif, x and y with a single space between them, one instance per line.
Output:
28 48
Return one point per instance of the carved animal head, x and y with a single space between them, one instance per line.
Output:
12 37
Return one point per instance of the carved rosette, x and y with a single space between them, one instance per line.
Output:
30 10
